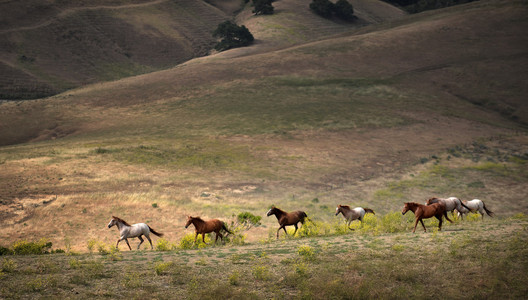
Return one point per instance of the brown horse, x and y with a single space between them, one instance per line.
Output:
202 227
421 211
352 214
287 219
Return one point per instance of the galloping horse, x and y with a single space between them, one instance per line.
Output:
352 214
131 231
421 211
202 227
474 206
287 219
450 203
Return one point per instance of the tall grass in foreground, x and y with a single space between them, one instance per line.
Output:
485 259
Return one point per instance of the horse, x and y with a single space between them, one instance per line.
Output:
352 214
287 218
202 227
421 211
131 231
474 206
450 203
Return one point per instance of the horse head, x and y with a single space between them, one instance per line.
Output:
189 221
406 207
338 209
272 211
113 222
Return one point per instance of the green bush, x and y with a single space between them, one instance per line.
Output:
161 268
8 265
164 245
187 242
306 252
5 251
26 248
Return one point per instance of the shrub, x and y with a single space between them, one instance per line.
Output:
161 268
164 245
5 251
91 245
306 252
187 242
261 272
26 248
8 265
234 278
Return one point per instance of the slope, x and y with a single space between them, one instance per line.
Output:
375 116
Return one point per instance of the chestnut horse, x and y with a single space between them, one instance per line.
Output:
352 214
287 219
131 231
202 227
421 211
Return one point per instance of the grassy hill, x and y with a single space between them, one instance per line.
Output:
417 106
49 47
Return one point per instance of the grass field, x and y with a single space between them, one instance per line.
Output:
471 259
309 117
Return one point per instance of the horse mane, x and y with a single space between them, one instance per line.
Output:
345 206
197 219
121 220
278 209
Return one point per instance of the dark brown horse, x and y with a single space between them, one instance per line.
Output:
202 227
287 219
421 211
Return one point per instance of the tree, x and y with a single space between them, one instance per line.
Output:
344 10
232 36
324 8
263 7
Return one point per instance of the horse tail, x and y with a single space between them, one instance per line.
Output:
464 206
225 228
304 216
155 232
368 210
489 212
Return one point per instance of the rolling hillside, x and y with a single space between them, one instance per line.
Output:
425 105
49 47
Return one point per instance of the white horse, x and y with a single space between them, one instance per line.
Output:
352 214
131 231
474 206
450 203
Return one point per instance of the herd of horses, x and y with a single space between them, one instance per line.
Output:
434 207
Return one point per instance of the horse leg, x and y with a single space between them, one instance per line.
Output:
415 224
150 241
440 222
295 229
140 241
203 238
130 248
423 225
348 224
196 236
445 215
